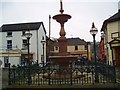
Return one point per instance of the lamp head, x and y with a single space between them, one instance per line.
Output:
28 34
93 30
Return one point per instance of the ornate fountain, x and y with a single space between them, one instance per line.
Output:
63 58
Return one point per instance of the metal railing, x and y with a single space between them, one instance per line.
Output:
76 73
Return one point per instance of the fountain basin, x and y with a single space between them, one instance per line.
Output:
63 61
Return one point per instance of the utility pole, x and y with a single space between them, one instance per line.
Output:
49 35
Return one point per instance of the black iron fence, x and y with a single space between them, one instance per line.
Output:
108 71
49 74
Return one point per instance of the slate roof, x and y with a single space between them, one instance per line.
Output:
74 42
115 17
21 26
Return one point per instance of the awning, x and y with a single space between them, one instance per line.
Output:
114 43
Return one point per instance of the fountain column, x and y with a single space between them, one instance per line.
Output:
62 59
62 18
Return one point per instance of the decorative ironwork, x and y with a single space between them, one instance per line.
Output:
77 73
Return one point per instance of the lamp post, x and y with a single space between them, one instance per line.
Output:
93 32
28 35
43 43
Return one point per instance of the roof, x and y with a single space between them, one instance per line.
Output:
74 41
21 26
115 17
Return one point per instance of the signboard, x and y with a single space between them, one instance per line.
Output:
115 35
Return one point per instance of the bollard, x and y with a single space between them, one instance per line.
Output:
9 80
0 75
70 73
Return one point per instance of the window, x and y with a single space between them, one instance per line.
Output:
42 37
9 34
24 44
6 61
23 33
56 48
9 44
86 47
76 47
24 59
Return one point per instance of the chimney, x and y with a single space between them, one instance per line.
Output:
119 6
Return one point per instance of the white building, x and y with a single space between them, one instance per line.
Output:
111 29
13 42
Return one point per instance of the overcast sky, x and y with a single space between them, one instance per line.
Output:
83 13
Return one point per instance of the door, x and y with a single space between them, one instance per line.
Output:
6 61
117 56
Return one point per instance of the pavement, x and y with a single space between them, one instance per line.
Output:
106 86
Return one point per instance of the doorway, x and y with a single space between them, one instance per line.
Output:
117 56
6 61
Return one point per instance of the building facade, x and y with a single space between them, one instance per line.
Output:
13 47
97 46
111 29
76 46
49 46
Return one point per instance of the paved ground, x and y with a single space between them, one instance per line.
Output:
111 86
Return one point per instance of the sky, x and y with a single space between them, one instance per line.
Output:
83 13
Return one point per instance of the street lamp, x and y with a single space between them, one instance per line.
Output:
43 43
93 32
28 35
